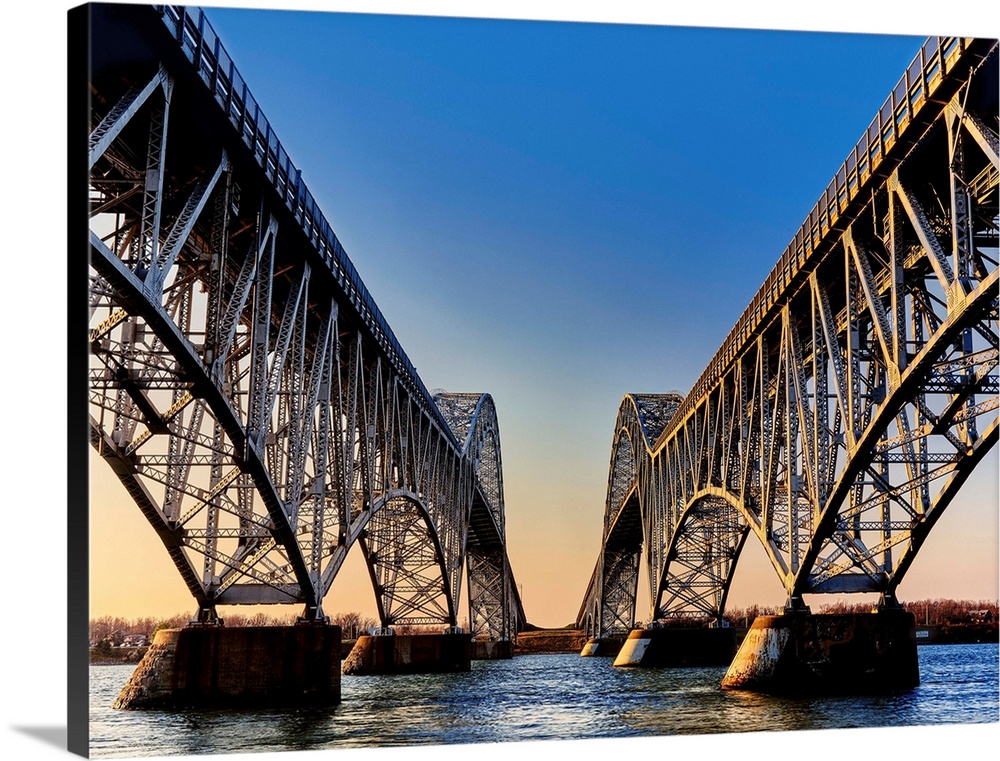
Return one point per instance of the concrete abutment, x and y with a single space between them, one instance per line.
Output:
492 650
239 667
826 653
410 654
602 647
672 646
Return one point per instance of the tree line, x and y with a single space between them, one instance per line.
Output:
112 630
930 612
936 612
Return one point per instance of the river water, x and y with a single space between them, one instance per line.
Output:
541 697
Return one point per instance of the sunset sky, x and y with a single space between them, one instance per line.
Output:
557 214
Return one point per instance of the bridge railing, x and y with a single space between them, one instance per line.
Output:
928 69
203 48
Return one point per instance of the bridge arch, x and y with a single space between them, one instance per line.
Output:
701 558
859 389
887 434
630 517
405 561
495 610
244 386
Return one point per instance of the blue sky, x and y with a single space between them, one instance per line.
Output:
590 204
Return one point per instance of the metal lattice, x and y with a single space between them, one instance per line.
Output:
244 387
859 389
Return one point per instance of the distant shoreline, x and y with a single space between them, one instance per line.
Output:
549 641
122 656
957 634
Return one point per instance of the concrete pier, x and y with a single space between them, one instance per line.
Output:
602 647
492 650
677 647
817 654
239 667
410 654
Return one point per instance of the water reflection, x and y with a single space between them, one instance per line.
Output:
541 697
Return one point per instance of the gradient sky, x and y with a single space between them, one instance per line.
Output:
557 214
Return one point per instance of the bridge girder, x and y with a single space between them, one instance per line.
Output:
860 388
244 387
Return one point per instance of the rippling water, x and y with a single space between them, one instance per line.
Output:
541 697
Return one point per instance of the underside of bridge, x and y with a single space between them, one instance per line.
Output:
855 395
244 387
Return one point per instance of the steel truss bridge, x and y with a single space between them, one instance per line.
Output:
244 387
855 394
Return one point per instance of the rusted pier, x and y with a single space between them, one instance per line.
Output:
825 653
492 650
239 667
389 653
677 647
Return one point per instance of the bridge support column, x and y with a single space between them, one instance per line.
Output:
492 650
410 654
597 647
676 646
239 667
825 653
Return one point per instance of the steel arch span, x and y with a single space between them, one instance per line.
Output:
855 394
244 387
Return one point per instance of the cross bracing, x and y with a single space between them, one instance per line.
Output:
856 393
244 387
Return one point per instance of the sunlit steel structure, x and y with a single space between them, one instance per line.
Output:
244 386
855 394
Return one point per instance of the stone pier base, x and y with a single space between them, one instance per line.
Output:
489 650
600 647
678 647
410 654
802 653
239 667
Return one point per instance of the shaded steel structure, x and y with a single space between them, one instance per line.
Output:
244 387
855 394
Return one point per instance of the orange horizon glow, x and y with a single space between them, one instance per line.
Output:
131 575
